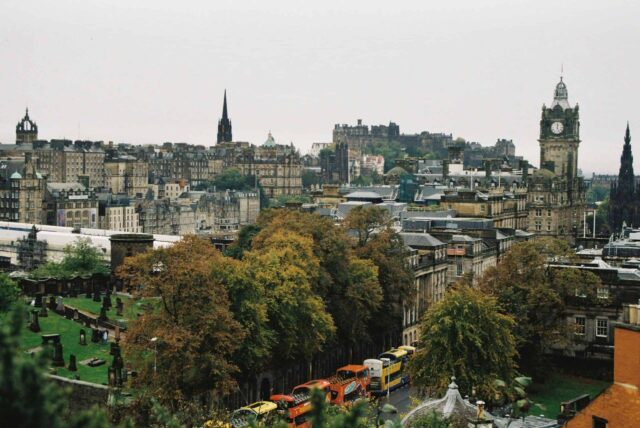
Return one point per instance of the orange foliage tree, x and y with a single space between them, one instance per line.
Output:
192 321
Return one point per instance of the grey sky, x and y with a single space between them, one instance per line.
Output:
154 71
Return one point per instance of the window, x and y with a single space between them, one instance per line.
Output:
549 226
581 325
459 269
538 212
602 327
603 293
548 213
598 422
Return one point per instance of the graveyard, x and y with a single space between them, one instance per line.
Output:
69 332
79 332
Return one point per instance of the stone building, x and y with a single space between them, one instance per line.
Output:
624 194
118 212
21 193
334 164
556 194
428 259
126 174
507 209
223 210
166 217
276 167
71 205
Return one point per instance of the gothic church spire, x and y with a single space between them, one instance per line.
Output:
224 124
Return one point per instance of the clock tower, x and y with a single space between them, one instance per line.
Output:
560 135
556 194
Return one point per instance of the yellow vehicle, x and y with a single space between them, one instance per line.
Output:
262 411
411 350
388 371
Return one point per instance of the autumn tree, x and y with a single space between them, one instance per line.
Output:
196 334
531 285
465 336
365 220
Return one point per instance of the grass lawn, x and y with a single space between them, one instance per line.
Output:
131 306
70 336
561 388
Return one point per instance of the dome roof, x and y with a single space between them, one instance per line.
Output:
271 142
397 170
16 176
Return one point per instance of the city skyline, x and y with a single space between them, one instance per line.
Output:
147 75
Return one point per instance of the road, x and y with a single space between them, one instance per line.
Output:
401 400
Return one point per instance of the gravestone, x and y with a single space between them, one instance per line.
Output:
114 349
88 322
76 315
111 373
96 362
43 312
119 306
50 338
52 303
58 358
95 335
106 302
103 314
125 374
72 363
34 326
83 337
68 313
60 305
38 301
96 295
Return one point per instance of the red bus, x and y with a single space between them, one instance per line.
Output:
350 383
306 388
294 408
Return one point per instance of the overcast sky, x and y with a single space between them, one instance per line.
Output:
155 71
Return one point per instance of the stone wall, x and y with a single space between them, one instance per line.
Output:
82 395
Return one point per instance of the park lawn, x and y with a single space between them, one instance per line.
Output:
559 388
70 337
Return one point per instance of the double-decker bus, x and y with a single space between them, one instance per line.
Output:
350 383
388 371
411 350
306 388
294 409
262 411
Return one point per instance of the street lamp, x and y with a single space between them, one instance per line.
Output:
154 340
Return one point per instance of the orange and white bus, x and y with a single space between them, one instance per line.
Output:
294 409
350 383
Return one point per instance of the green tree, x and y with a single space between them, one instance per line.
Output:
335 279
286 268
535 293
388 253
232 179
465 336
194 326
9 292
80 259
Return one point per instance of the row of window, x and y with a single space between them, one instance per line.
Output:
602 326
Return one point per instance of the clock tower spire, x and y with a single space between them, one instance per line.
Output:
560 134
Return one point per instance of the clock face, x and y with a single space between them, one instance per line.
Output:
557 127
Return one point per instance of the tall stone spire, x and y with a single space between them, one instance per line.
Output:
224 124
623 198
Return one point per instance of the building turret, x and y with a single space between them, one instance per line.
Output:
624 199
26 130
